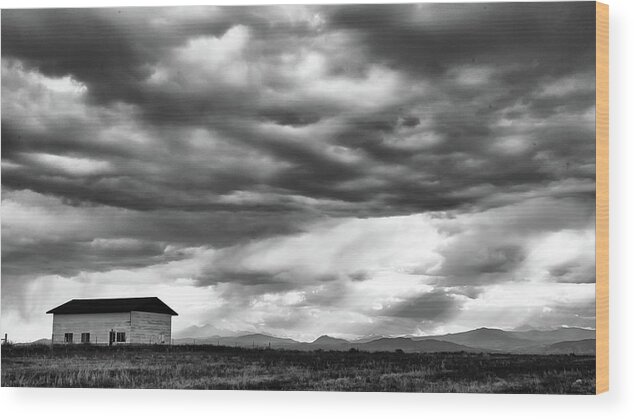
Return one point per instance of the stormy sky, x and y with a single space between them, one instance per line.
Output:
302 170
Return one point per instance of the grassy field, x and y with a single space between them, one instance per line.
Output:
212 367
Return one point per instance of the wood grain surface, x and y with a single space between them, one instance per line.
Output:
602 197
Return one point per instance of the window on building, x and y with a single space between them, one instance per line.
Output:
120 337
68 337
85 338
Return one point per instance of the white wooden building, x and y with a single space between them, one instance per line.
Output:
144 320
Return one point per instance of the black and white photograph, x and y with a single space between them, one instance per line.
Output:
342 197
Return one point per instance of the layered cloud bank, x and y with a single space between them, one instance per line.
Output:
302 170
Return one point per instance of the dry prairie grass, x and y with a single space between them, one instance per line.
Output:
213 367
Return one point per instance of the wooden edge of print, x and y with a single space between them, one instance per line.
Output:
602 198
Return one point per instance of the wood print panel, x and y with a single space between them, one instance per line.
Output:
342 192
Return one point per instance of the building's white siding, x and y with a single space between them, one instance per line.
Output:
98 325
139 327
151 328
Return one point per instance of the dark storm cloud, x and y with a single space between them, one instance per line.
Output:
434 306
435 38
360 275
495 246
68 258
115 52
574 272
478 259
112 50
71 237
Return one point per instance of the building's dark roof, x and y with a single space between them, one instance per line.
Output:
103 306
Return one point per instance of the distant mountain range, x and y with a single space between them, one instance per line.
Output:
491 340
513 341
558 341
